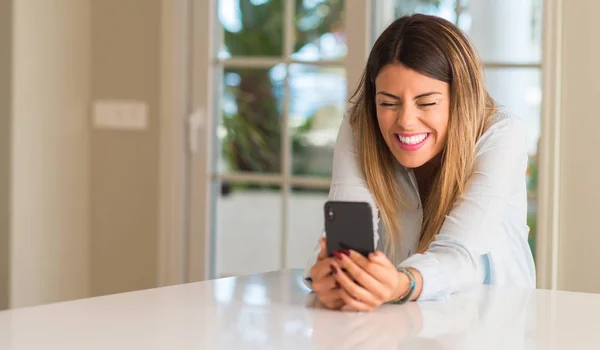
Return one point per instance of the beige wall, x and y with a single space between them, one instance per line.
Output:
47 153
50 202
124 165
579 256
5 137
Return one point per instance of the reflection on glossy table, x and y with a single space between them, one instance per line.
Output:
275 311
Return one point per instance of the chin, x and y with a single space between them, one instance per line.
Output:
413 160
411 163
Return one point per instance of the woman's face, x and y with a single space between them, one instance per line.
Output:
413 112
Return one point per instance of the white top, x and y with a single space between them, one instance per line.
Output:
483 239
275 311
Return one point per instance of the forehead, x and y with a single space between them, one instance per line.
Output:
397 78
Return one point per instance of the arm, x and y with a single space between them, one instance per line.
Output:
458 256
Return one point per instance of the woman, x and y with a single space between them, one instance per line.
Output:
442 168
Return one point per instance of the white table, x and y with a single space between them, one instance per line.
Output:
275 311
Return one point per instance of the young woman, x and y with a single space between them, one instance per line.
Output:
442 167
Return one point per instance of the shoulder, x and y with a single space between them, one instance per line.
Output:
345 135
506 130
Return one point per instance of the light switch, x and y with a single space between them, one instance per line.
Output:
120 114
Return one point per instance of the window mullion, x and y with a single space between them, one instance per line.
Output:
288 47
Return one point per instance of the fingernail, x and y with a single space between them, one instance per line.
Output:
346 251
333 270
338 255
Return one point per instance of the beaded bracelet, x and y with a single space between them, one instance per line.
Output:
412 287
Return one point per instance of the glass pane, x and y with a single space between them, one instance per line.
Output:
249 129
507 31
305 222
319 28
251 27
315 124
247 229
441 8
519 91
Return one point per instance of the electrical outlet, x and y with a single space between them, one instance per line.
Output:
120 115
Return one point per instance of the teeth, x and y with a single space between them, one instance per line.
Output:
413 140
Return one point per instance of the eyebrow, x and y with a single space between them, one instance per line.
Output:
415 98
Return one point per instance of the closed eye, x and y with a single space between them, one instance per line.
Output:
427 104
385 104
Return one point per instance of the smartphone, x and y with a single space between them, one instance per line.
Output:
349 225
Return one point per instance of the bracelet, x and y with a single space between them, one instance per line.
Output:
412 287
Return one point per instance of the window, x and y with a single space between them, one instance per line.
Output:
281 77
507 35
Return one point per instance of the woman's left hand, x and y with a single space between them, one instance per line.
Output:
367 283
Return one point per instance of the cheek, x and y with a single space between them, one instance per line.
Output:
439 123
443 130
385 118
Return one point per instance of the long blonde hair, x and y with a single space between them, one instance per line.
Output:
436 48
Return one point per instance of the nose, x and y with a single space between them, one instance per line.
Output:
408 117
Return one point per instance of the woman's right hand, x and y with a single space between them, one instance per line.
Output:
323 282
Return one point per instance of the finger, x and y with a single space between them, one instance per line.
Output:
376 270
334 305
325 284
323 252
331 299
380 259
330 296
320 269
354 290
354 304
357 273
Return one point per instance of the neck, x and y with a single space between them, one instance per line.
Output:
428 170
425 175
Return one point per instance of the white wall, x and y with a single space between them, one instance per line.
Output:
579 252
50 177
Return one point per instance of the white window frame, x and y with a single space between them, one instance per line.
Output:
175 34
547 250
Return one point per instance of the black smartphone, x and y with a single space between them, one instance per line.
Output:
349 225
